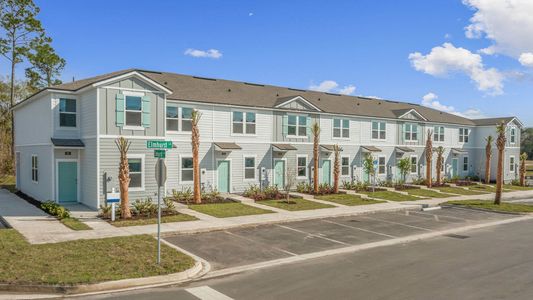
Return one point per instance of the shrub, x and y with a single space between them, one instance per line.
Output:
386 183
105 211
145 207
55 210
258 194
185 196
515 182
325 189
169 204
420 181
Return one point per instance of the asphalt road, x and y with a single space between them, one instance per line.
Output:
490 263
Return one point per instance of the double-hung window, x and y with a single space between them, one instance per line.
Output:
442 164
135 164
186 169
297 125
511 164
378 130
411 132
173 120
301 167
34 168
414 164
512 135
67 112
249 168
243 122
382 168
186 119
463 135
133 111
341 128
465 164
438 134
179 118
345 166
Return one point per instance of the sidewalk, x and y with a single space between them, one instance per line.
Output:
40 228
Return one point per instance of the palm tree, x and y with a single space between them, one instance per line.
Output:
429 158
523 159
336 168
500 144
315 130
195 141
488 157
440 153
123 146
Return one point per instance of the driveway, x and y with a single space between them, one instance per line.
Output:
245 246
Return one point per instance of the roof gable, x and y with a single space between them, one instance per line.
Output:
295 102
410 114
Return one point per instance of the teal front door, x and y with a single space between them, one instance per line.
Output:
455 167
279 173
223 176
326 172
67 181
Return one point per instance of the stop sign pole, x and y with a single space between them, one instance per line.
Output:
161 177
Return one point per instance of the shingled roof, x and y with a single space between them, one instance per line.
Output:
492 121
219 91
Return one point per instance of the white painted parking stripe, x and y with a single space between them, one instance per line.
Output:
207 293
258 242
361 229
398 223
313 235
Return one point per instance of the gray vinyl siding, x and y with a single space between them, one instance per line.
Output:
42 190
29 117
87 108
88 174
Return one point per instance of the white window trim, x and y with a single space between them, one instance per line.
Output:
298 116
464 136
244 112
244 167
143 172
306 166
443 133
340 128
349 166
513 170
181 181
76 113
372 130
384 165
180 118
411 164
411 132
133 94
467 164
513 128
37 168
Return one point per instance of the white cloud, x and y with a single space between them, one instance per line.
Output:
429 100
447 58
507 23
526 59
250 14
211 53
447 36
330 86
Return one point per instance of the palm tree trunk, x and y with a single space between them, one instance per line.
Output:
487 167
197 193
439 167
336 170
429 159
124 177
499 178
12 101
523 159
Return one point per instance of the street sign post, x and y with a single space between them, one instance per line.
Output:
159 144
161 178
160 153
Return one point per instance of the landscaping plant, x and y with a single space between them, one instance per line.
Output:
55 210
368 165
429 158
123 146
500 144
195 141
315 130
404 165
488 157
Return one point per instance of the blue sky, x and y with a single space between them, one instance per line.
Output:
483 70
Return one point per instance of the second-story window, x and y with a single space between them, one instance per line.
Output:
411 132
186 119
173 122
378 130
67 112
296 125
463 135
179 118
341 128
512 135
133 111
438 134
243 122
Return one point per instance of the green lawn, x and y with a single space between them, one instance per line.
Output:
164 219
230 209
428 193
75 224
85 261
504 207
484 188
347 199
458 191
296 204
509 187
392 196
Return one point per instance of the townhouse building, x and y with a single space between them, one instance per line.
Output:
249 134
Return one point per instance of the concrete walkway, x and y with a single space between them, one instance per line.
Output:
39 228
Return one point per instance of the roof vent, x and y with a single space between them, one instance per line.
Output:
229 90
277 95
358 103
204 78
166 83
318 99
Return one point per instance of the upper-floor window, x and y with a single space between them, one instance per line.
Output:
463 135
301 166
511 164
378 130
465 163
296 125
179 118
438 134
512 135
34 168
341 128
243 122
345 166
135 165
249 168
133 111
411 132
67 112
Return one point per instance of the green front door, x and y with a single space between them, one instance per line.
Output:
223 176
67 181
279 173
455 167
326 172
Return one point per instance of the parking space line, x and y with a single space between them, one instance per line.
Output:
361 229
398 223
438 217
413 213
258 242
314 235
207 293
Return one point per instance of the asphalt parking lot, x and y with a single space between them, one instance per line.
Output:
244 246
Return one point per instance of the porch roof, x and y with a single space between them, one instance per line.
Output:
71 143
222 146
404 149
283 147
370 149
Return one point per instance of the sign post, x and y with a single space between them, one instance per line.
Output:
161 177
113 198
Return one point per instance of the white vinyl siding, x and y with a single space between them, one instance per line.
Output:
341 128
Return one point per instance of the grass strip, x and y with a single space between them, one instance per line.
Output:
226 210
347 199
